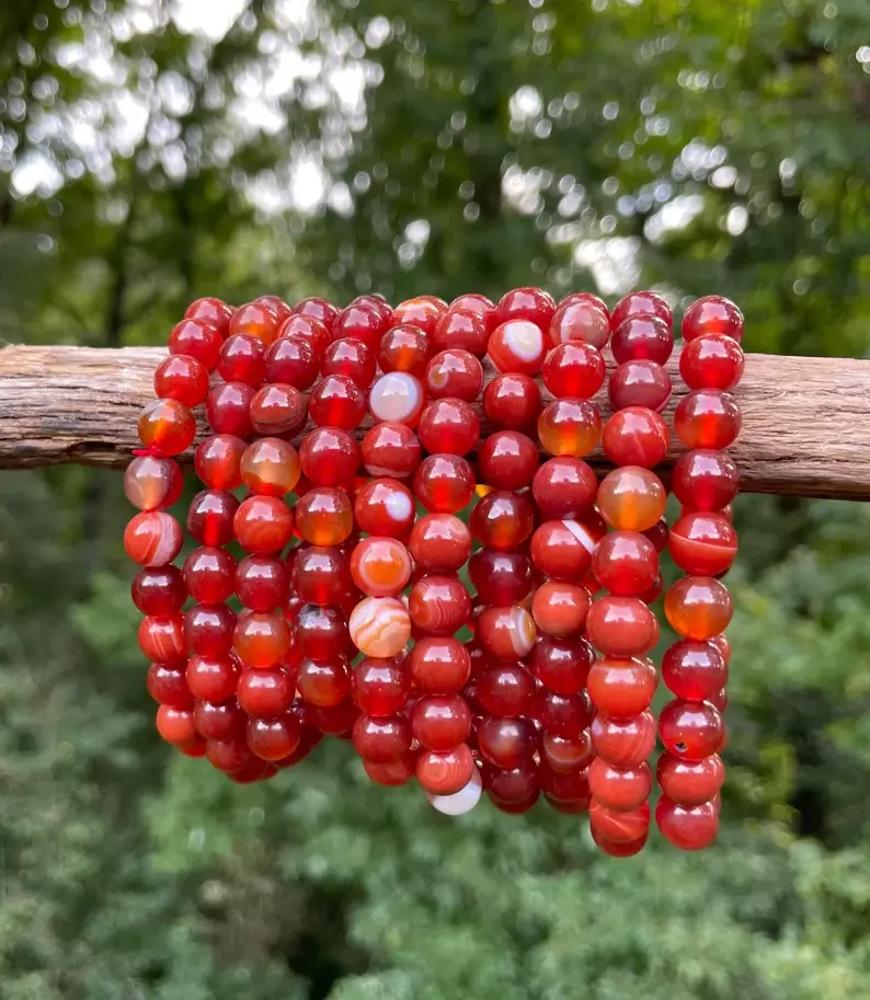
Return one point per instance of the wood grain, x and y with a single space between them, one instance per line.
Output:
806 421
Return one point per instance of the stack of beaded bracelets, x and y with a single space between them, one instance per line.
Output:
503 650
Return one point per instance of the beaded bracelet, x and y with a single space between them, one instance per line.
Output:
313 573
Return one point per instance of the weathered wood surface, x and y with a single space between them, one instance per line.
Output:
806 421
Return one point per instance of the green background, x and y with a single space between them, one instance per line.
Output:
457 145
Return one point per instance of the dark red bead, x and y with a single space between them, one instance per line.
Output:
712 314
209 629
708 418
619 826
690 730
242 359
694 670
455 373
625 563
564 487
210 517
712 362
218 461
440 664
513 791
449 426
350 359
167 685
635 435
512 401
212 678
197 339
319 309
636 303
565 715
506 689
507 460
158 590
212 311
227 409
500 578
441 722
292 361
337 401
639 383
502 520
262 582
329 456
527 303
642 336
507 743
380 687
574 369
562 665
444 483
382 740
209 573
462 329
705 480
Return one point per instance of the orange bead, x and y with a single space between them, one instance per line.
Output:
167 426
631 498
380 626
380 566
569 427
698 607
324 516
270 467
261 639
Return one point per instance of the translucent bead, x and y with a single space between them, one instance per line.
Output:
380 566
270 467
439 543
631 498
277 409
324 516
167 426
445 773
380 626
698 607
569 427
507 633
580 317
455 373
152 538
439 605
152 483
459 802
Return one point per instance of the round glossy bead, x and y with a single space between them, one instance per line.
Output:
384 507
622 687
560 608
517 346
274 739
175 725
639 383
262 582
527 303
619 788
350 359
329 456
152 483
708 418
506 689
626 563
703 543
380 626
219 721
514 791
507 743
441 721
641 302
321 574
624 742
270 467
512 401
480 305
152 538
444 484
181 378
423 311
382 740
162 638
562 664
690 828
210 517
263 524
464 330
642 337
690 783
507 460
197 339
712 314
257 319
337 401
292 361
507 633
391 449
324 516
566 755
322 633
454 373
380 687
694 670
266 692
502 520
635 436
243 359
209 629
397 397
218 460
167 685
307 328
690 730
698 607
563 549
450 426
619 826
568 793
227 409
631 498
167 426
580 317
439 664
158 590
447 773
621 626
574 369
212 311
500 578
705 480
325 684
569 427
404 349
261 639
439 543
212 678
318 309
277 409
712 362
439 605
210 574
380 566
564 487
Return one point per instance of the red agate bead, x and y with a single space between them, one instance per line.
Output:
265 692
167 685
318 309
619 789
391 449
258 319
384 507
703 543
480 305
440 664
708 418
642 337
514 791
626 563
210 574
210 517
560 608
444 483
622 687
445 773
441 721
152 538
690 730
621 626
175 725
566 755
262 582
619 826
712 361
322 633
261 639
212 311
624 741
561 664
243 359
712 314
337 401
705 480
423 311
580 317
574 369
197 339
455 373
562 549
152 483
440 543
218 459
636 435
507 743
329 456
162 638
325 684
404 349
439 605
227 409
380 687
158 590
635 303
463 330
181 378
277 409
502 520
698 607
263 524
274 739
351 359
324 516
397 397
450 426
631 498
500 578
517 346
527 303
567 715
209 629
360 321
382 740
270 467
507 460
507 633
569 427
212 678
505 689
639 383
690 828
512 401
219 720
306 328
321 574
694 670
564 487
292 361
167 426
690 782
380 566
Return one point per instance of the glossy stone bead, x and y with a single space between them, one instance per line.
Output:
167 685
158 590
506 689
619 789
397 397
454 373
227 409
444 484
218 460
265 692
439 605
197 339
690 783
445 773
698 607
514 791
526 303
691 828
210 517
712 314
637 303
507 743
322 633
705 480
321 574
625 563
502 520
209 629
507 633
212 678
325 684
306 328
459 802
152 538
243 359
566 793
712 362
382 740
384 507
462 329
439 543
642 337
152 483
262 582
324 516
500 578
337 401
334 720
694 670
212 311
560 608
517 346
690 730
380 687
318 309
631 498
210 574
619 826
563 549
622 687
569 427
257 319
329 456
564 755
292 361
512 401
380 566
261 639
175 725
480 305
423 311
580 317
274 739
380 627
270 467
439 664
619 850
263 524
167 427
561 664
624 742
574 369
181 378
703 543
404 349
564 487
636 435
639 383
350 359
219 721
391 449
621 626
162 638
708 418
450 426
507 460
441 721
566 715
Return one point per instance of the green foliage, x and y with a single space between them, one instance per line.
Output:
722 147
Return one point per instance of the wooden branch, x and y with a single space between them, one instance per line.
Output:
806 421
